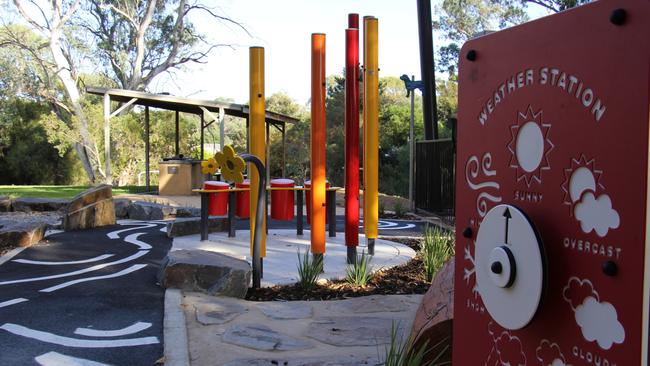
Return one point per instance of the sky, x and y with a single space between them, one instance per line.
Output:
284 28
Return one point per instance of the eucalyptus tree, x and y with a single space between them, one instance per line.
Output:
129 42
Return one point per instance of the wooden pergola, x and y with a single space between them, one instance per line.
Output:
216 111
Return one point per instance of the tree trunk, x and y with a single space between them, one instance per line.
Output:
86 148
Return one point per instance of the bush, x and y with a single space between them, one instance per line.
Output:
399 209
438 246
308 270
382 208
360 272
403 354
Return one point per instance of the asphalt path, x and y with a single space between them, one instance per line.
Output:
105 308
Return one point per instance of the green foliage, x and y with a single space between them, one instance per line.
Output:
438 246
398 353
309 269
360 272
399 209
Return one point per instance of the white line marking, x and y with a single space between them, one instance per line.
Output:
57 359
46 263
10 254
131 329
74 342
123 272
115 234
12 302
133 239
406 226
137 255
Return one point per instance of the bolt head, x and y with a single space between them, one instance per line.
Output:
471 55
496 268
618 17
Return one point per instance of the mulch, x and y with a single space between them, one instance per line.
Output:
408 278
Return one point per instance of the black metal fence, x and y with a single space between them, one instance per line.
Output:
435 176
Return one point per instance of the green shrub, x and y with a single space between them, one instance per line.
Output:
403 354
360 272
438 246
308 270
399 209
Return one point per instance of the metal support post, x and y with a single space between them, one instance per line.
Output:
299 216
232 221
204 216
331 212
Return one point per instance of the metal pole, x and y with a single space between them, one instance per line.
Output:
204 216
232 221
352 136
318 144
177 136
331 213
411 145
371 132
258 237
222 128
299 216
429 104
147 147
202 136
257 145
284 150
107 138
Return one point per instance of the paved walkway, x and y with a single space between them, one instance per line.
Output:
283 246
232 332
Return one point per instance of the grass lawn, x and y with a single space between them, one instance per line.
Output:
58 191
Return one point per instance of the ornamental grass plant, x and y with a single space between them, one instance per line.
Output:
360 272
438 246
399 353
308 270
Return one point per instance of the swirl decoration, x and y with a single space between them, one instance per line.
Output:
472 170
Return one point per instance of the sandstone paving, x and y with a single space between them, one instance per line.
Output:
320 333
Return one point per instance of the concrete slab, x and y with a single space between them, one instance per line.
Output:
280 264
207 345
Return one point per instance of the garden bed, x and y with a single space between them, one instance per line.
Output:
408 278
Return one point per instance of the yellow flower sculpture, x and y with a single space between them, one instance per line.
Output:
232 165
209 166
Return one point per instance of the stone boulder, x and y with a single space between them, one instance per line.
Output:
200 270
434 318
5 204
190 226
30 204
90 208
121 207
145 211
20 234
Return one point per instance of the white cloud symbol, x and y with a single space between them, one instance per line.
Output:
596 214
599 322
559 362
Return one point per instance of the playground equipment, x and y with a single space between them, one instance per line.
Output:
352 137
319 193
370 132
552 210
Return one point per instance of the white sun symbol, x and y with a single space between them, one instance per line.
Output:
530 146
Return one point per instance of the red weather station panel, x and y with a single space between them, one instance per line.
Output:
552 191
